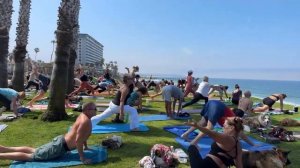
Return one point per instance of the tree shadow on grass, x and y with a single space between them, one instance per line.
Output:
33 115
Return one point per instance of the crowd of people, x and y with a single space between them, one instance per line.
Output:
225 151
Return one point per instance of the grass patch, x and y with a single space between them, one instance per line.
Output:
31 131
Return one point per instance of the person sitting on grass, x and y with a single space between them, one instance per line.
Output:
118 105
221 89
268 102
168 92
214 112
76 138
245 103
10 99
226 150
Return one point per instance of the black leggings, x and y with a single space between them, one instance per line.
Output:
102 89
32 83
196 160
196 98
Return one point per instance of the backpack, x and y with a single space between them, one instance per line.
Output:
163 156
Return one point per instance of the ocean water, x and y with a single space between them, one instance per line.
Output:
258 88
264 88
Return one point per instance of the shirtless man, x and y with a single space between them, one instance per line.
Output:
76 138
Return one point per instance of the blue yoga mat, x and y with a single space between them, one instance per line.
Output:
153 118
180 129
97 154
206 141
160 117
110 128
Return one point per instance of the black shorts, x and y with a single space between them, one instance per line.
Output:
268 101
235 101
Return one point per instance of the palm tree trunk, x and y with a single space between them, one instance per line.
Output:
73 56
4 40
18 74
19 53
73 52
59 79
5 24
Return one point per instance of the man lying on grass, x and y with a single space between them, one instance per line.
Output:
76 138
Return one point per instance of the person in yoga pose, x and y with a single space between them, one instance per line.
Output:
189 84
79 73
168 92
118 106
135 98
32 78
221 89
76 138
10 99
44 83
201 93
132 71
214 112
268 102
236 94
226 149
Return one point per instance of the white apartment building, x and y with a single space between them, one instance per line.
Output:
89 50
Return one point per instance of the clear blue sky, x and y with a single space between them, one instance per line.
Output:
222 39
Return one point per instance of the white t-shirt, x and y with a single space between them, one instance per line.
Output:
203 88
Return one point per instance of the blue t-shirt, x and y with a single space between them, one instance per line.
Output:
213 111
133 97
8 93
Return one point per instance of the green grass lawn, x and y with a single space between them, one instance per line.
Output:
31 131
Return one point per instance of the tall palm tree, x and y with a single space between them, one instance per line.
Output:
73 51
56 108
19 53
6 10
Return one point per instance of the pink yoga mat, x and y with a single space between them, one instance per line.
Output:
45 106
191 110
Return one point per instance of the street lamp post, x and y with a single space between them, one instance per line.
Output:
36 50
